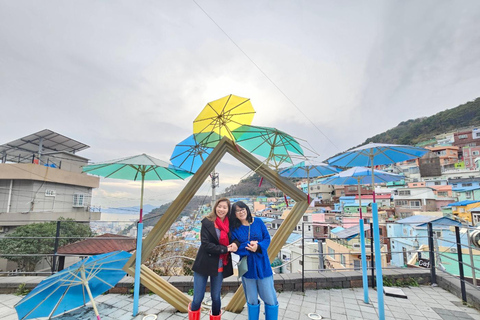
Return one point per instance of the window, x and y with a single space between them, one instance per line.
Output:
466 185
415 204
49 193
437 183
78 200
309 228
331 253
317 229
342 259
356 264
442 153
468 194
462 136
404 192
475 153
401 203
438 234
443 193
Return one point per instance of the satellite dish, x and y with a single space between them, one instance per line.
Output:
475 238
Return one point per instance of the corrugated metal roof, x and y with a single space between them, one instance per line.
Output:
462 203
464 189
350 232
99 245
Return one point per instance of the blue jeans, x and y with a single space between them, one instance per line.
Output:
263 287
199 287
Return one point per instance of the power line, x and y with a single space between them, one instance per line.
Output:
266 76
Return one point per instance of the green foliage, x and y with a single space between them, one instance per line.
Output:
413 131
22 290
391 282
190 292
43 241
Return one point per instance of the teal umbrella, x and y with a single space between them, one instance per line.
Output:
276 146
141 167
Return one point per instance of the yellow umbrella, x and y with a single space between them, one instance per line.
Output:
224 115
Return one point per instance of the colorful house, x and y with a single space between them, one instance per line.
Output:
407 235
462 209
468 193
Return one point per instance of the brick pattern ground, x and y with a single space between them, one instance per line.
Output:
424 302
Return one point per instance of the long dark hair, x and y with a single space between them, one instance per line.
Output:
234 222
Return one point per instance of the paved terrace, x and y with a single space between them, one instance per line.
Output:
423 302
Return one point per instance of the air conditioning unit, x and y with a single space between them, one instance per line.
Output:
453 250
356 245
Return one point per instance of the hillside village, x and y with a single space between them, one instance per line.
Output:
442 187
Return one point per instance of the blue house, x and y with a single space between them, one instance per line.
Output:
409 234
467 193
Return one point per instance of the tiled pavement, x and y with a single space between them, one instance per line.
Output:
423 302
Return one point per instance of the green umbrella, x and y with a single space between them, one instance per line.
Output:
141 167
276 146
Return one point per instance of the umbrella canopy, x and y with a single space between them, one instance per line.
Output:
302 170
74 286
361 175
224 115
274 145
375 154
136 168
190 154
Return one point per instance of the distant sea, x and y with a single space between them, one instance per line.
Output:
125 213
119 216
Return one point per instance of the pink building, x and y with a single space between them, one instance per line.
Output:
469 156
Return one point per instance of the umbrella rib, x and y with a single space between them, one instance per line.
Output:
48 296
226 103
59 301
116 171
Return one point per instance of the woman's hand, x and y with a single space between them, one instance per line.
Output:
252 246
232 247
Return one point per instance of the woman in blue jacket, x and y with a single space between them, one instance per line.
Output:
213 259
254 239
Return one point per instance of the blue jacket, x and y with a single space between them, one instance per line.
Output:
258 262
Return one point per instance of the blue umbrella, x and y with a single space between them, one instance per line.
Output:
74 287
190 154
358 176
370 155
308 171
375 154
361 175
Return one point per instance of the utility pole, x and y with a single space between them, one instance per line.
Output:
215 184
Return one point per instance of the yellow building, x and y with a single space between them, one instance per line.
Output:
462 209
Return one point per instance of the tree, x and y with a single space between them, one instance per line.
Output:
39 238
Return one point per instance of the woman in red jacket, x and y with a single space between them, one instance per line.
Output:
213 259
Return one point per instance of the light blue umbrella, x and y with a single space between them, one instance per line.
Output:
359 176
370 155
74 287
301 170
376 154
190 154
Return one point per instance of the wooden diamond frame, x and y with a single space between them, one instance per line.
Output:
167 291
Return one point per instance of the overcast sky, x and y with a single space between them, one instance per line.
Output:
129 77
